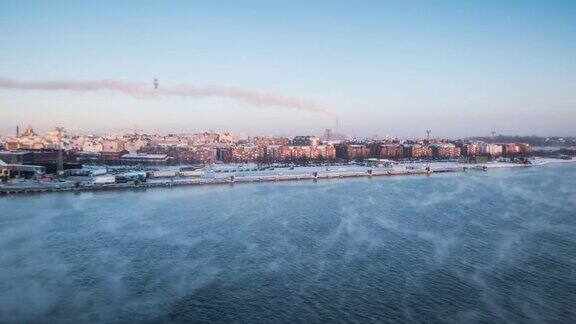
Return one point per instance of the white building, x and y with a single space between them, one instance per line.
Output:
491 149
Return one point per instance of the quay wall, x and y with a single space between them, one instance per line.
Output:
228 180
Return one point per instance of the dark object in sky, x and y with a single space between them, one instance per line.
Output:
155 84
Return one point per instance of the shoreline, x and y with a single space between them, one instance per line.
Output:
7 191
218 181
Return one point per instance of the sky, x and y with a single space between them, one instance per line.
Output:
459 68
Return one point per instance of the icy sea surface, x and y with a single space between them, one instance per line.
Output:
476 247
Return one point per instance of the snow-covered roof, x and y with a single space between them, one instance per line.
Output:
14 152
144 156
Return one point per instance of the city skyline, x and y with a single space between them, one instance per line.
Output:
287 161
460 69
19 130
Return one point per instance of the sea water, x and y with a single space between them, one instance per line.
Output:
490 247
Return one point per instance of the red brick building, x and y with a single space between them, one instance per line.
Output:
394 151
355 151
202 154
416 151
445 150
524 148
470 150
247 153
323 152
295 153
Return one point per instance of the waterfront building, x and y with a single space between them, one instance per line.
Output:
145 158
416 151
223 153
9 171
324 152
87 157
353 151
470 149
305 141
491 149
394 151
273 153
209 147
112 150
203 154
524 148
247 153
445 150
16 157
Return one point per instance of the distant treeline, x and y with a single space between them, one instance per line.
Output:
532 140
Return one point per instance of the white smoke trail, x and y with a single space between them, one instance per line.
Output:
142 90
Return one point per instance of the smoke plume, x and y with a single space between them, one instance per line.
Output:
146 91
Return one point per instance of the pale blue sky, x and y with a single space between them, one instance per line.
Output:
460 68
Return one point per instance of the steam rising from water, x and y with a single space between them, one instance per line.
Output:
470 247
146 91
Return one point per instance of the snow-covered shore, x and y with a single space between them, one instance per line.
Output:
238 173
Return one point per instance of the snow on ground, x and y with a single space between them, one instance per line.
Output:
544 161
246 171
